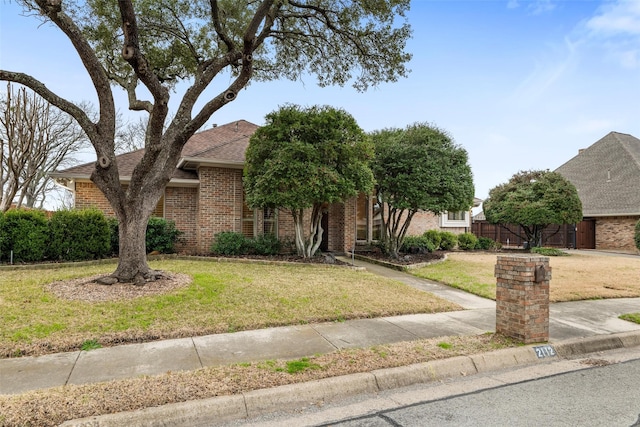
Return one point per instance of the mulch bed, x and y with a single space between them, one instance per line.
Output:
404 259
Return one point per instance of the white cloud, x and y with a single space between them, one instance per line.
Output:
513 4
629 58
535 7
616 29
616 18
541 6
546 73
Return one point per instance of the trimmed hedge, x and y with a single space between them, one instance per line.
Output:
485 243
76 235
231 243
417 244
548 251
467 241
434 236
25 232
234 243
636 237
162 236
448 240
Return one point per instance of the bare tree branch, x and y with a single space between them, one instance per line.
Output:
37 138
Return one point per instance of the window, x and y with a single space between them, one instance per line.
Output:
248 218
368 219
376 219
362 222
456 216
159 210
270 221
455 219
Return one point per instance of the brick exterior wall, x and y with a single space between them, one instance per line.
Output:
219 205
216 206
616 233
522 303
180 207
286 230
342 226
87 195
423 221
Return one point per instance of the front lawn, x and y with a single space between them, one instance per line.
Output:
575 277
223 297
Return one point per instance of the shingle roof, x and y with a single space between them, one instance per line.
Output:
607 176
222 144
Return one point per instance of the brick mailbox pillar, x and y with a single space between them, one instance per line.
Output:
522 297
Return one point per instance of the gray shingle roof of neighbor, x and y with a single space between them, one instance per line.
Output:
225 144
607 176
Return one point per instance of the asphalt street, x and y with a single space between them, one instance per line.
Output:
599 396
602 389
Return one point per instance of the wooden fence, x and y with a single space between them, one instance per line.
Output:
558 236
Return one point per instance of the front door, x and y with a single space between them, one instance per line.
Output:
324 222
586 234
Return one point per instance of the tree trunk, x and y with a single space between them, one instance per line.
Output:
315 234
132 261
307 245
298 215
133 208
533 234
394 229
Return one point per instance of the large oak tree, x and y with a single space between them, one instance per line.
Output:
147 46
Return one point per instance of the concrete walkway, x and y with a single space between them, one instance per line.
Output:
569 320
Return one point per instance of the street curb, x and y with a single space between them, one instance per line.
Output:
256 402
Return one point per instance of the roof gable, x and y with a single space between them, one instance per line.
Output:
224 144
607 176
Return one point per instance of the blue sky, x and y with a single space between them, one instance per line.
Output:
519 84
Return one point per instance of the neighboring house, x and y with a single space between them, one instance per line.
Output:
607 177
205 196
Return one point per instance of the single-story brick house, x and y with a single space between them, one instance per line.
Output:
205 196
607 177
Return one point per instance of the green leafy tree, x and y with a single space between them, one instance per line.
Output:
418 168
145 47
534 200
305 159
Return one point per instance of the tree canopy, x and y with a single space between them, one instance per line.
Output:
147 46
418 168
534 199
307 158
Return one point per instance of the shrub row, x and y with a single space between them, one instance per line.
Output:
71 235
162 236
548 251
433 240
636 236
233 243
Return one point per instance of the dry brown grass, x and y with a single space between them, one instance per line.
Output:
53 406
575 277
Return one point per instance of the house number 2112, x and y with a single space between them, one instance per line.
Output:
543 351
